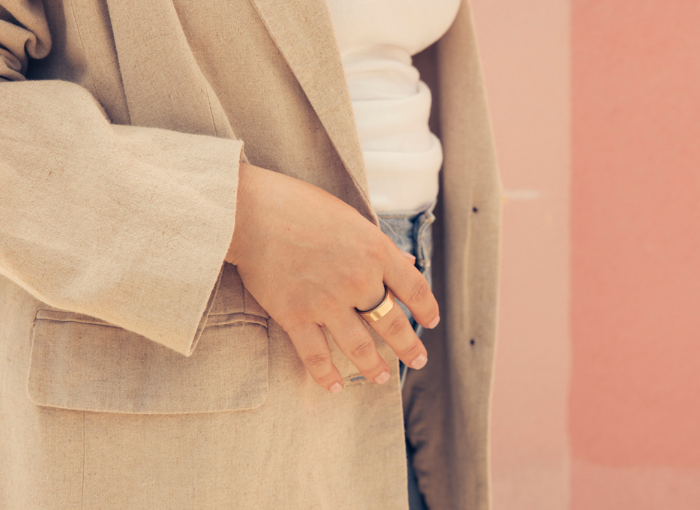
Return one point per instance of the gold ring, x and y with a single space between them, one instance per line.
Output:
379 311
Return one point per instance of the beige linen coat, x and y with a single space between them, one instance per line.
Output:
136 371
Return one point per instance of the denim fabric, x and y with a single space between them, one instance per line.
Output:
412 232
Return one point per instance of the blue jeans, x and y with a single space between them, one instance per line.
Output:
411 231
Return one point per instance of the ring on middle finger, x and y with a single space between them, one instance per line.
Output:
379 311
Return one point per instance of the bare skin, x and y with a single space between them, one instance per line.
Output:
310 259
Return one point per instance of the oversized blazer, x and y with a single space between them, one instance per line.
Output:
136 371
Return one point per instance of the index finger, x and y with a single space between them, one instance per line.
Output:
412 289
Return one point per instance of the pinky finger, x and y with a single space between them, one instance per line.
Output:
312 347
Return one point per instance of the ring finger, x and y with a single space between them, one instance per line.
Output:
353 338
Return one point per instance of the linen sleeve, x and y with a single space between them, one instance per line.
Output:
127 224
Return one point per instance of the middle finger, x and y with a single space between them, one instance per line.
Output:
397 331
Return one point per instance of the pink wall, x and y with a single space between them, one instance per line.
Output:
596 108
634 405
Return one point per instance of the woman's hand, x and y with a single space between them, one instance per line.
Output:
310 259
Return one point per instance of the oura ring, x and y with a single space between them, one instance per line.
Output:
379 311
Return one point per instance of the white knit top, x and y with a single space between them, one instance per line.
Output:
377 39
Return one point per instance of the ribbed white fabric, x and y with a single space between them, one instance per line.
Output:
377 39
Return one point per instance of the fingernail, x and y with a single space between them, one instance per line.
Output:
335 388
408 255
382 378
419 362
435 322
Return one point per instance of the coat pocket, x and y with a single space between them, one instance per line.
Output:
82 363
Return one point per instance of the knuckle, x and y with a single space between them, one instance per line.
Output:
324 300
317 361
295 314
420 291
358 280
375 248
372 250
362 349
397 326
294 318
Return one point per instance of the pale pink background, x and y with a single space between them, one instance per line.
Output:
596 110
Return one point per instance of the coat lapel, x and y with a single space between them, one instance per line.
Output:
303 31
163 84
165 87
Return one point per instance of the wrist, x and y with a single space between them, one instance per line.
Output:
247 174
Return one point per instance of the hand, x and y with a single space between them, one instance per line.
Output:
310 259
